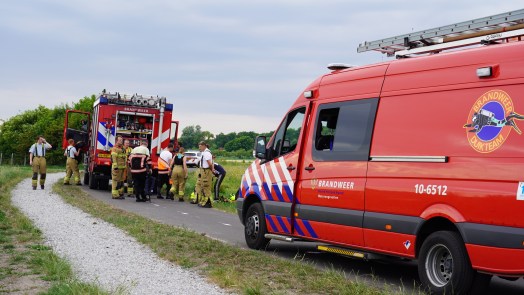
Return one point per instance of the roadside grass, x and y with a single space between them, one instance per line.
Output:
238 270
26 265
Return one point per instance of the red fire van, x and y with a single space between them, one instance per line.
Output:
421 157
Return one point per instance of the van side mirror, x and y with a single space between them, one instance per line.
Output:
260 147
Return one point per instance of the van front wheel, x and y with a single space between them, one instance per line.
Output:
255 227
444 265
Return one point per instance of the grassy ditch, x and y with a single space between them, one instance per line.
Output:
26 265
239 270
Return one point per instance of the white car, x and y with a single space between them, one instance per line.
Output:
192 158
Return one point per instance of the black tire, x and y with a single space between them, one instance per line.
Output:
93 182
443 264
255 227
86 177
103 184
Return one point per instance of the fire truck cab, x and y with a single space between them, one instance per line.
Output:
134 117
420 157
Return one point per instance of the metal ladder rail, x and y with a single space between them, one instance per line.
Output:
436 35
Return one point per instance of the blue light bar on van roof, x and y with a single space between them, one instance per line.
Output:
169 107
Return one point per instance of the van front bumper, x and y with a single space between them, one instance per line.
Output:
240 208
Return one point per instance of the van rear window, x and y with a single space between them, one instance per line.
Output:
343 130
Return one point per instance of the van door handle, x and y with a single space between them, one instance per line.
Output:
291 167
310 168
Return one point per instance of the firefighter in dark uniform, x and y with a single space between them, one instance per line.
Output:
118 165
140 163
71 163
37 160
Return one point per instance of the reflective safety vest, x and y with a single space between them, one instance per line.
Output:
118 157
139 163
163 165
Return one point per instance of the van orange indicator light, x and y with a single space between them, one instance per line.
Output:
296 214
388 227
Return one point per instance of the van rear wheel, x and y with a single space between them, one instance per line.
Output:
255 227
443 265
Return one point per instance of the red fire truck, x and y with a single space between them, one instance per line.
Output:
420 157
131 116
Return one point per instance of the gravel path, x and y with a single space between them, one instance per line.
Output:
100 252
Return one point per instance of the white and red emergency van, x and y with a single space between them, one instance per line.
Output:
420 157
132 116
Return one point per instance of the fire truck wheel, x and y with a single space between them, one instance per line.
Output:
103 184
443 264
93 182
86 177
255 227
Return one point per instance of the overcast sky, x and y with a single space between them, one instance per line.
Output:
225 65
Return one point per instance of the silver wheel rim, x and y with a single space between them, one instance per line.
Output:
253 226
439 265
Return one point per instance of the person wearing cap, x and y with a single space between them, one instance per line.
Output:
178 171
163 170
140 163
37 160
205 177
71 163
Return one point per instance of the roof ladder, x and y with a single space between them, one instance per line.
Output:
484 30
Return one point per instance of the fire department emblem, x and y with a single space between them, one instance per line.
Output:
490 121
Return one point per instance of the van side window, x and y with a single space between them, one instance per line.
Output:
343 130
288 133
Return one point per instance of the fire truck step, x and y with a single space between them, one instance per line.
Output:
280 238
342 251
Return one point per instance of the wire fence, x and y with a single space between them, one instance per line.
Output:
14 159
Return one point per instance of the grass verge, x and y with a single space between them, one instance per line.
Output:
239 270
27 266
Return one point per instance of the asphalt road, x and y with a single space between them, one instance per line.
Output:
227 228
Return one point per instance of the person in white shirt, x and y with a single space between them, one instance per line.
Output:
72 164
37 160
163 171
205 177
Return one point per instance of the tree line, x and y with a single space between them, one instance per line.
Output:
18 133
233 144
